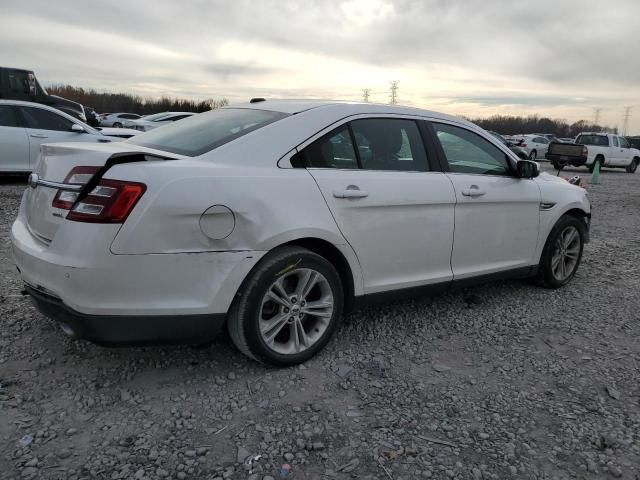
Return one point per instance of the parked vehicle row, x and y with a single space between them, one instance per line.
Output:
149 122
271 219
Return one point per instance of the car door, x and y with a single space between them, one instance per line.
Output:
497 215
14 154
388 199
626 155
46 126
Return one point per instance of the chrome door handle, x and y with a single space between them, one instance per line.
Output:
38 135
352 191
473 191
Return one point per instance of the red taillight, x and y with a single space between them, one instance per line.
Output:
111 201
77 176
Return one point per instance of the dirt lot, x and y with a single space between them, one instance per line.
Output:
507 380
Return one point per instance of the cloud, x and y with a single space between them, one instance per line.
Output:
485 55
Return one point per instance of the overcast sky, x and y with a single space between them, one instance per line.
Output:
475 58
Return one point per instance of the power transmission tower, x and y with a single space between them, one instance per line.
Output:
394 92
365 94
597 111
627 116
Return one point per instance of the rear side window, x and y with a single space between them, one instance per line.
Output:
202 133
390 144
467 152
45 120
615 141
8 116
333 150
380 144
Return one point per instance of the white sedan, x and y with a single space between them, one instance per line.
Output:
25 126
271 219
535 145
117 120
156 120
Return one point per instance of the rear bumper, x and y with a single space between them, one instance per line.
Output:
113 330
566 160
78 268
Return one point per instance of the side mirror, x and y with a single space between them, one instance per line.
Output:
77 128
509 143
527 169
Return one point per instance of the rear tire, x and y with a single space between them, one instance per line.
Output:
556 165
632 167
533 155
117 125
562 252
272 319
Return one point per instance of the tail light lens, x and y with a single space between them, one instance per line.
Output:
77 176
111 201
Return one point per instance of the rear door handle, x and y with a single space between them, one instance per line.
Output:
352 191
39 135
473 191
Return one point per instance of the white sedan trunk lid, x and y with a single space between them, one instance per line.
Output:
54 164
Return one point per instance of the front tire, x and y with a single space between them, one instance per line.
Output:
288 307
533 155
563 252
632 167
117 125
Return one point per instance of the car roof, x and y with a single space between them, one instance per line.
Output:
293 107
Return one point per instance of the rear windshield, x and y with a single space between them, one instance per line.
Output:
599 140
202 133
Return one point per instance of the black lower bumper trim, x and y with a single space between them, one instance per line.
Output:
127 330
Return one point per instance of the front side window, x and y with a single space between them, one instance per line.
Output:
45 120
390 144
202 133
8 116
624 143
333 150
467 152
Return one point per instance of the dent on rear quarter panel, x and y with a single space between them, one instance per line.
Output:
271 207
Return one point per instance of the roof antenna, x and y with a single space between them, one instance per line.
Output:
257 100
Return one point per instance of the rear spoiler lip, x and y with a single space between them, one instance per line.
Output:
116 159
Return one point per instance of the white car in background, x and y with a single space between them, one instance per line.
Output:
150 122
25 126
536 146
272 218
117 120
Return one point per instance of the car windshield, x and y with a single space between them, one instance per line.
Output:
598 140
202 133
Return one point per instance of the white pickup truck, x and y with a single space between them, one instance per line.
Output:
609 150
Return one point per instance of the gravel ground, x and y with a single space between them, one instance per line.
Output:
507 380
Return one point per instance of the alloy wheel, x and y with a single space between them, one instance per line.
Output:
566 253
296 311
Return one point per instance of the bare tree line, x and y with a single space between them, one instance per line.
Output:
103 102
512 125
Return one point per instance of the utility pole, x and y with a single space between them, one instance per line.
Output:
627 116
597 111
394 92
365 94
